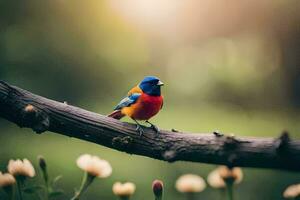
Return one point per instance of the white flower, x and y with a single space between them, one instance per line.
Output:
292 191
190 183
214 179
217 177
235 173
123 190
94 166
6 180
21 168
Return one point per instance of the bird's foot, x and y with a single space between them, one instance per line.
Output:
154 127
139 129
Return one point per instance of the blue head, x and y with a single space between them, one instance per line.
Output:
151 85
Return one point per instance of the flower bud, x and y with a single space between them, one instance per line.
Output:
42 163
157 187
29 108
43 166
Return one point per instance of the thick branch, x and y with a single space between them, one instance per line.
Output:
42 114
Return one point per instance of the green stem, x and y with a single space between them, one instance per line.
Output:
124 198
230 191
190 196
46 180
43 167
9 191
158 198
86 181
19 189
13 195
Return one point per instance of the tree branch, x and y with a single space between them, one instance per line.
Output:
42 114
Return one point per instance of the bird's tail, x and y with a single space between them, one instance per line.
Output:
117 114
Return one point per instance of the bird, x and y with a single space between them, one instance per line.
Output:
141 103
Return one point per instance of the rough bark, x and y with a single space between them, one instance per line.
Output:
42 114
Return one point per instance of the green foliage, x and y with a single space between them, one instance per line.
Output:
33 189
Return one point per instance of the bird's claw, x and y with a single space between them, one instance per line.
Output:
139 129
155 128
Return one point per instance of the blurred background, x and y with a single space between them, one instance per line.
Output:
232 66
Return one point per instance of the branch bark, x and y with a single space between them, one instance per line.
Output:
42 114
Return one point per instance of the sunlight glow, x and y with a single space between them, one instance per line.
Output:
148 14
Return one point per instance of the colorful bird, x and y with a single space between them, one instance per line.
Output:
142 102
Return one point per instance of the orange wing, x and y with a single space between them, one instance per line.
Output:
117 114
135 89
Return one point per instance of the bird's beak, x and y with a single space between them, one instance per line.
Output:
160 83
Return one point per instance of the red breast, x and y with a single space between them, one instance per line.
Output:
146 107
